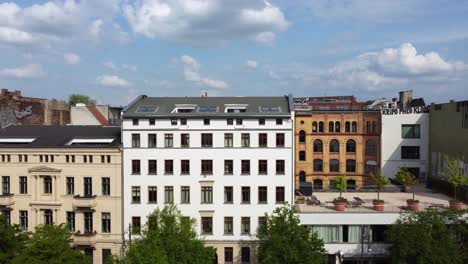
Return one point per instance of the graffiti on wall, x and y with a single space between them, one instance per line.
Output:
13 112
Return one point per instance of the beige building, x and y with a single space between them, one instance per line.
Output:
65 174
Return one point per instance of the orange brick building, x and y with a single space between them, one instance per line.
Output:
335 136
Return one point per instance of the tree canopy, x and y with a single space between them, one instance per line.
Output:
168 237
430 237
74 99
282 239
12 241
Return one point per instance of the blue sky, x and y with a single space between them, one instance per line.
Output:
114 50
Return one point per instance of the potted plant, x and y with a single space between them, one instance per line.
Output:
405 177
340 185
455 176
379 181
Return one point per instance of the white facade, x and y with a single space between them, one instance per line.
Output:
393 142
195 180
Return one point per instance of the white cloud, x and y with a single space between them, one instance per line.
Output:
96 27
124 67
128 67
191 73
110 65
14 36
27 71
208 22
251 64
72 58
112 81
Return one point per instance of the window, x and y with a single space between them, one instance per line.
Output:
318 146
136 194
152 141
302 176
135 166
321 125
330 127
88 186
228 195
183 122
228 167
152 167
354 127
6 213
245 225
207 167
279 121
152 121
245 194
70 158
350 146
207 140
318 184
168 140
347 127
280 167
334 146
410 152
23 220
371 167
238 121
302 136
168 167
206 122
185 167
185 140
105 222
5 185
228 255
314 127
318 165
337 127
245 140
105 186
168 194
136 225
279 140
207 225
368 127
263 167
262 140
371 147
279 194
174 122
245 255
135 140
350 184
228 140
334 165
262 194
23 158
206 194
374 127
245 167
47 184
230 121
410 131
261 121
152 194
262 222
70 185
350 165
228 226
23 185
48 217
106 255
302 155
185 194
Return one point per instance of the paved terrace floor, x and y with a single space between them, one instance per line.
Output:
395 202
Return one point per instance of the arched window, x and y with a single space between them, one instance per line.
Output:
368 127
320 126
318 184
371 147
347 127
314 126
374 127
332 184
350 165
351 146
302 155
318 165
371 167
318 145
334 165
337 127
302 176
330 126
334 146
350 184
354 127
302 136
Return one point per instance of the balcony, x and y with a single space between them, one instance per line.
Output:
85 202
7 200
84 239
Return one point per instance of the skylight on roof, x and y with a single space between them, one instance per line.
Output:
147 109
90 141
16 140
270 108
208 109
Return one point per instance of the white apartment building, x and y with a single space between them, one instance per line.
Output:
225 161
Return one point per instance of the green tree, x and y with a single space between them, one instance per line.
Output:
74 99
50 244
454 174
12 241
168 237
341 185
405 177
429 237
380 181
282 239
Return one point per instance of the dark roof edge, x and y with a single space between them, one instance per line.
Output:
134 102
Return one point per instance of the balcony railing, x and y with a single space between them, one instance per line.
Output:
7 199
84 201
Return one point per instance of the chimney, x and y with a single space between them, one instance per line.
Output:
17 93
452 101
4 92
405 98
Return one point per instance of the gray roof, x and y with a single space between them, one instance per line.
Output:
59 136
164 106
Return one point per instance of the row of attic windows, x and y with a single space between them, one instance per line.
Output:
22 158
208 109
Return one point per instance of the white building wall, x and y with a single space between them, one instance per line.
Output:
392 141
218 153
